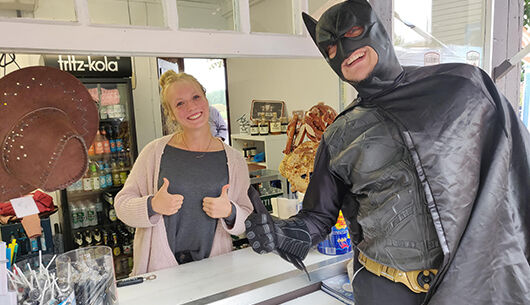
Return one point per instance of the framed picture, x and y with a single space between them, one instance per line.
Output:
267 107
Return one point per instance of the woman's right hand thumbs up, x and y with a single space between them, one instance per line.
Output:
165 203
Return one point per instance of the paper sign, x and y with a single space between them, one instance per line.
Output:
24 206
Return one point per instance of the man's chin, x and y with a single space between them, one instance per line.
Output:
355 80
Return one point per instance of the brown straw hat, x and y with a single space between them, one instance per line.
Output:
47 120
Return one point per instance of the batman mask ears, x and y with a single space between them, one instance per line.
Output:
334 29
311 25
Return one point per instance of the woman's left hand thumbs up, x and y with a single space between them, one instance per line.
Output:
218 207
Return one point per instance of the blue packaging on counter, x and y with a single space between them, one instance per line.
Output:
338 241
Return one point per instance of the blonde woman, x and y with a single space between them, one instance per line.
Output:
187 192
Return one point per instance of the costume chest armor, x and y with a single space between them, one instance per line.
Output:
368 154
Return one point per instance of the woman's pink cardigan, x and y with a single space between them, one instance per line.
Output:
151 248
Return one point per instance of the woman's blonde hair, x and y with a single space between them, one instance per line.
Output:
166 80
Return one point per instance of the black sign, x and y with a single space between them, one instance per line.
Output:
91 66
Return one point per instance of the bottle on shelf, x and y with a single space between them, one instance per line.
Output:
117 139
87 181
263 126
105 235
126 241
42 241
84 211
112 138
97 237
106 143
87 236
111 213
79 240
122 168
91 150
114 245
99 211
284 121
275 125
94 176
76 186
74 215
34 242
101 174
254 128
98 144
116 180
103 112
107 173
58 242
91 213
71 188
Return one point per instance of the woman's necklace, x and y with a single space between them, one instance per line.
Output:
199 155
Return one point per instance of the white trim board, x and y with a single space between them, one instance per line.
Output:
46 37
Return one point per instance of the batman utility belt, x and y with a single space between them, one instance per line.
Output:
418 280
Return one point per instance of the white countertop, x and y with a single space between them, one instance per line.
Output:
225 278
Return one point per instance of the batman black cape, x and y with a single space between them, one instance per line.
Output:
471 153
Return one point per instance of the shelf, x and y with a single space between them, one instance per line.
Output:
243 136
82 194
263 175
257 163
112 120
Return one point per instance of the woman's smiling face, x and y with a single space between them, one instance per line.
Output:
188 104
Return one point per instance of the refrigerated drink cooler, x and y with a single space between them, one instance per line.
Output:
88 214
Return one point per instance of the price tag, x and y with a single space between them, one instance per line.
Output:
24 206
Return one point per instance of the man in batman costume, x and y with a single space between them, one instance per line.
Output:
430 166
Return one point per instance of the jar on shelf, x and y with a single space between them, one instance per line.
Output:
275 125
263 126
284 121
254 128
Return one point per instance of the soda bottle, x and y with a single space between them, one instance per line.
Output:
96 236
92 214
58 243
101 174
84 213
123 176
70 188
119 141
108 174
87 181
106 144
99 211
98 144
74 215
78 185
88 238
112 139
111 211
94 176
105 238
121 162
116 179
78 240
91 150
114 245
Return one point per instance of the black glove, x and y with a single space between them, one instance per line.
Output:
288 237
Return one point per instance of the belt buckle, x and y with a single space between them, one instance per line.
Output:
417 281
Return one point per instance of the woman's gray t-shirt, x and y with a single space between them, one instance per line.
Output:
194 175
